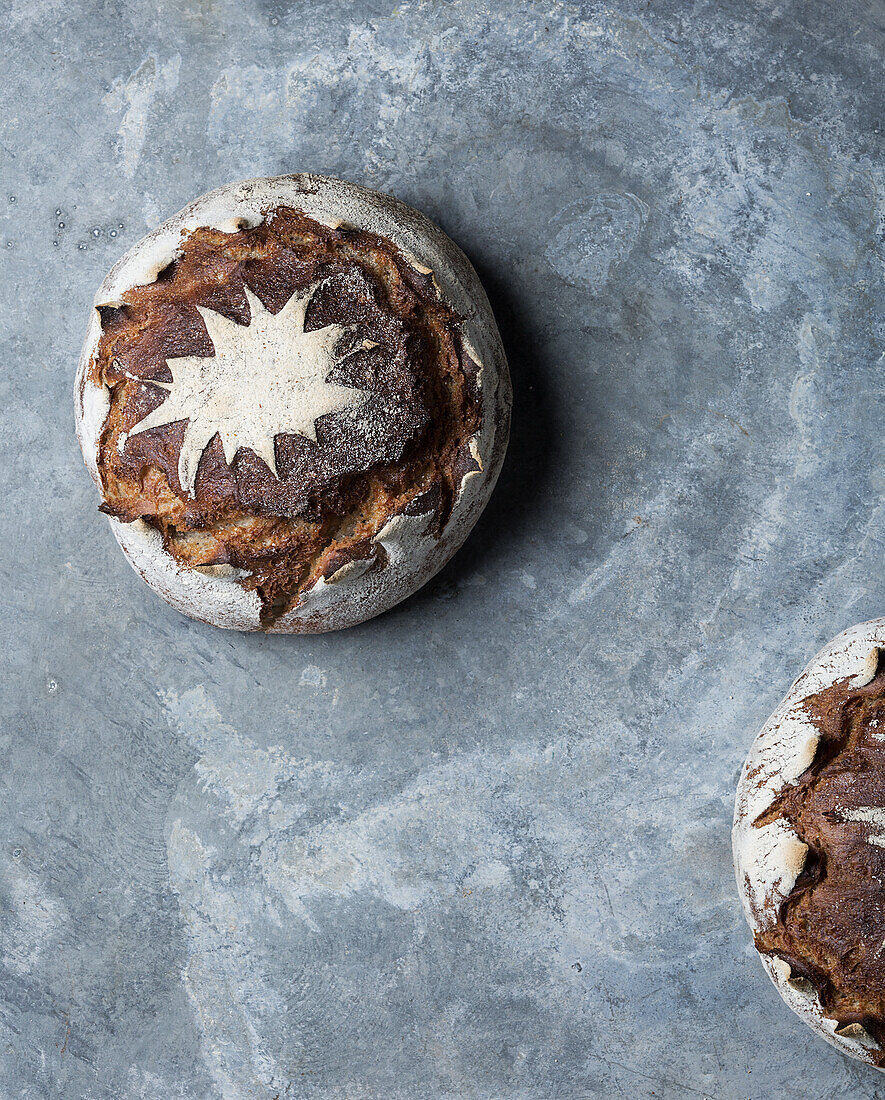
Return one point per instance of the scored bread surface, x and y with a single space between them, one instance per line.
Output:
406 550
769 858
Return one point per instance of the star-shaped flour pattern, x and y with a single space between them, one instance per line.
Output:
265 379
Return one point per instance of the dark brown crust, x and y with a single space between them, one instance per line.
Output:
409 440
831 927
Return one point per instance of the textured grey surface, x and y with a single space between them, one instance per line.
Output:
478 847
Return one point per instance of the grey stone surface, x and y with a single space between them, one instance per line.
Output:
478 847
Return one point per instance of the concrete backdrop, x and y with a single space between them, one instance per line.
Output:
478 847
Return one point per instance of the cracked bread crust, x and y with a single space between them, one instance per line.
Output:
426 441
831 928
808 843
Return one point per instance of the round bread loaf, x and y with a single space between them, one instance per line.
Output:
295 403
809 843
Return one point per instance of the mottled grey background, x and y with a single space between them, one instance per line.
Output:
478 847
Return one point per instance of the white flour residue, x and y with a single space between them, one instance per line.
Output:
868 815
263 379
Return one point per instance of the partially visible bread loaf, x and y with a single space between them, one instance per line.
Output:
809 843
294 401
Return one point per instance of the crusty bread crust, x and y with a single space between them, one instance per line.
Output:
407 551
768 859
